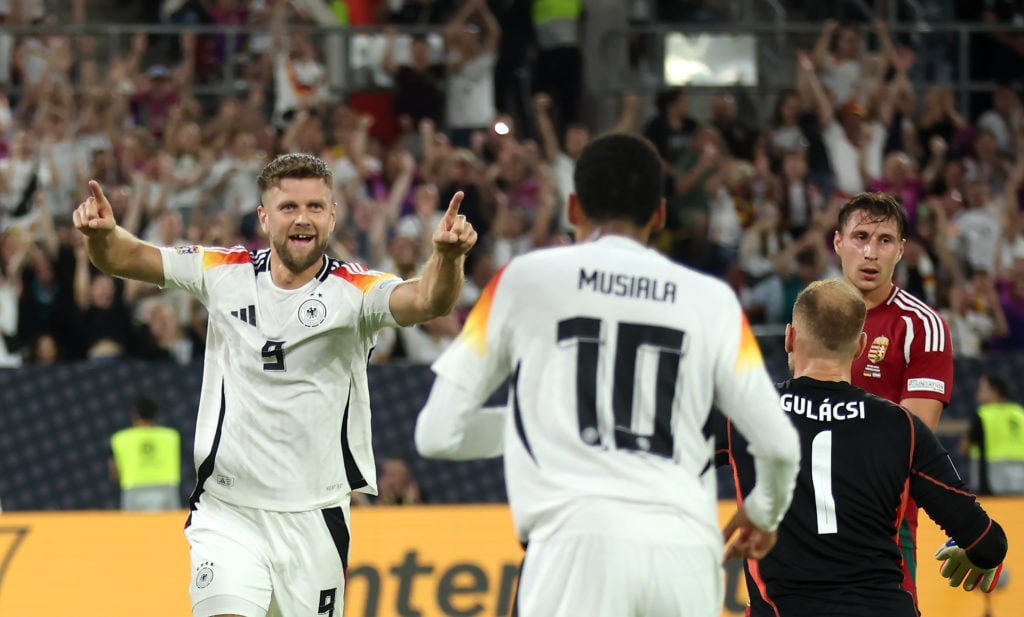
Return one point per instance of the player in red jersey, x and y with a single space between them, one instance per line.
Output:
909 358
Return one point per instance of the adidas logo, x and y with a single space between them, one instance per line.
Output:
248 315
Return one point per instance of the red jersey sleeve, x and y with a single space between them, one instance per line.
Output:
929 372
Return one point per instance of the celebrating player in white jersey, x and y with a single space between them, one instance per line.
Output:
283 434
616 356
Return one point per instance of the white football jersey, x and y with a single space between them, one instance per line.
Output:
616 356
284 415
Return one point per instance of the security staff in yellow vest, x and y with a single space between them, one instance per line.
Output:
996 441
147 461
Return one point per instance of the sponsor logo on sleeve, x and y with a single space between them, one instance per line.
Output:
924 384
188 250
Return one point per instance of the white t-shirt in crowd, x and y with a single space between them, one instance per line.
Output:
470 98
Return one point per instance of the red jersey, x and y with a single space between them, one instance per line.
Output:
909 352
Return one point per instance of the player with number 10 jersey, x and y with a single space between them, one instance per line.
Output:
615 357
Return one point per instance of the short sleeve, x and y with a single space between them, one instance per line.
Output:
183 269
929 372
377 287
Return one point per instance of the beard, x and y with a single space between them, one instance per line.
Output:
298 263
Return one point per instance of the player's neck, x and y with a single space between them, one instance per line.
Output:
821 369
615 228
877 296
285 278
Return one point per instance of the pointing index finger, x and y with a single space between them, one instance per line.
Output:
97 192
453 205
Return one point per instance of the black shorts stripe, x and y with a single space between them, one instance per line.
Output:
355 476
206 467
336 525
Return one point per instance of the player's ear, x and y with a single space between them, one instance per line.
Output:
836 240
575 212
862 344
657 222
790 335
261 214
903 246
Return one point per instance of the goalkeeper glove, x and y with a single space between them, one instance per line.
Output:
958 569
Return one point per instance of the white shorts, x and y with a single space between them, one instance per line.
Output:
257 563
623 565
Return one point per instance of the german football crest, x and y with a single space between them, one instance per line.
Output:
312 313
876 353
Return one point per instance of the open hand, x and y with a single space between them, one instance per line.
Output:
454 235
94 216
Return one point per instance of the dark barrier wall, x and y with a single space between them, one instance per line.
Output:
56 422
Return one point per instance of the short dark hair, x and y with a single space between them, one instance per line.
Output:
829 315
146 408
878 207
619 178
998 384
294 165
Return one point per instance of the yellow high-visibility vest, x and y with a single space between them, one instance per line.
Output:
548 10
1003 424
147 456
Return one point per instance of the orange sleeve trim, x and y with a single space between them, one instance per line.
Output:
982 536
219 257
943 484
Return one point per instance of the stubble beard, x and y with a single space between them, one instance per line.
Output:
297 264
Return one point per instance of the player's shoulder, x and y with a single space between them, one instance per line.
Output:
907 304
351 274
927 327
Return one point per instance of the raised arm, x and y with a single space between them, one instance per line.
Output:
813 86
627 118
546 128
387 59
492 29
435 293
111 248
820 53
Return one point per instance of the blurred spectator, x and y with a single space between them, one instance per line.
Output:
738 137
987 165
558 66
845 70
978 230
853 142
969 328
672 130
299 78
104 322
939 118
396 485
799 200
163 337
14 248
1005 118
761 293
419 85
995 443
472 55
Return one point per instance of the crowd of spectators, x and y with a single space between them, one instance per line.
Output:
751 202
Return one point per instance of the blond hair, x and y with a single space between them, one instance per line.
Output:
829 316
